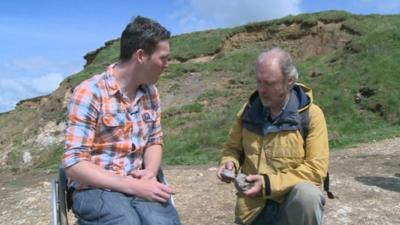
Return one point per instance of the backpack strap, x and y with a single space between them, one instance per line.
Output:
326 187
303 128
304 122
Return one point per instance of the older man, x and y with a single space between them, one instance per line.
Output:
266 144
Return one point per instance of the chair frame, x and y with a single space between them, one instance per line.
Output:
59 196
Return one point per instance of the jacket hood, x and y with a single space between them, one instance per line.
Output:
300 91
304 95
255 115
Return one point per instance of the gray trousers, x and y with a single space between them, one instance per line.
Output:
304 205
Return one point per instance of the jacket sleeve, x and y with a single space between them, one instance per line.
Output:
315 165
233 149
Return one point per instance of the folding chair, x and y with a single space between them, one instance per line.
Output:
61 196
162 179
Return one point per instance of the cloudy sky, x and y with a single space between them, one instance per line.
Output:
44 41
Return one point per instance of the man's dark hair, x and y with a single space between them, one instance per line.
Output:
141 33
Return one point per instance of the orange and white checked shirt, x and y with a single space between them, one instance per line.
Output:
104 128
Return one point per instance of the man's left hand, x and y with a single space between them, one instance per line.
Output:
256 190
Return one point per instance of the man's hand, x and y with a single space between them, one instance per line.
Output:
149 189
143 174
226 166
146 186
256 190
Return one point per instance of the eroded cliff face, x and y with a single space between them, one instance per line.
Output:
302 40
32 132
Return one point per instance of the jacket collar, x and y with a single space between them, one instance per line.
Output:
255 117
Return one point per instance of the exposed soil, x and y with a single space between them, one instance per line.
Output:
302 41
365 178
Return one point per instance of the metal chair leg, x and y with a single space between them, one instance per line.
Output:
59 200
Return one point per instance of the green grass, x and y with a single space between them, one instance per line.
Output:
104 58
197 138
368 62
187 46
335 78
52 158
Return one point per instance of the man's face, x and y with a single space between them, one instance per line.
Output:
272 87
157 62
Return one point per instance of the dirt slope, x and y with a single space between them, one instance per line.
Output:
366 179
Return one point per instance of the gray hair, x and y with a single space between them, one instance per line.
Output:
286 63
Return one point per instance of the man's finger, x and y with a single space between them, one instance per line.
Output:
163 195
160 199
138 173
229 165
219 172
251 178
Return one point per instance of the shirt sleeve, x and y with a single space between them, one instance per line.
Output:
81 122
156 135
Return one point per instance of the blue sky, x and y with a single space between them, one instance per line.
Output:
44 41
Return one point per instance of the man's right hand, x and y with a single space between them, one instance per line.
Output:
226 166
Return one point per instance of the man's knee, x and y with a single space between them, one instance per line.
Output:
152 213
304 205
305 196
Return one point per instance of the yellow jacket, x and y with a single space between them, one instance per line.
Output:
277 150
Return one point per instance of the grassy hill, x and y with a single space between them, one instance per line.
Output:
350 62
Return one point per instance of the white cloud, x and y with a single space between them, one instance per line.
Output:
198 15
47 83
15 89
29 77
36 65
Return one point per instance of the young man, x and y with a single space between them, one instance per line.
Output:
114 140
267 144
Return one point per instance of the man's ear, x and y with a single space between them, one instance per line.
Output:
291 82
139 55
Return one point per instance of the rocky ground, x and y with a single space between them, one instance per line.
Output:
366 180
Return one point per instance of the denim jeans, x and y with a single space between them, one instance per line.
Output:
97 206
304 205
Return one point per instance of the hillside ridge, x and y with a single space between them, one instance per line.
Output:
348 60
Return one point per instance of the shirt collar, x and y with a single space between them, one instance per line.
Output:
114 88
111 84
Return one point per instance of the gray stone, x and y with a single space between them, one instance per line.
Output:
228 174
241 182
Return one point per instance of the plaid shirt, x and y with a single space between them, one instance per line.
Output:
104 128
